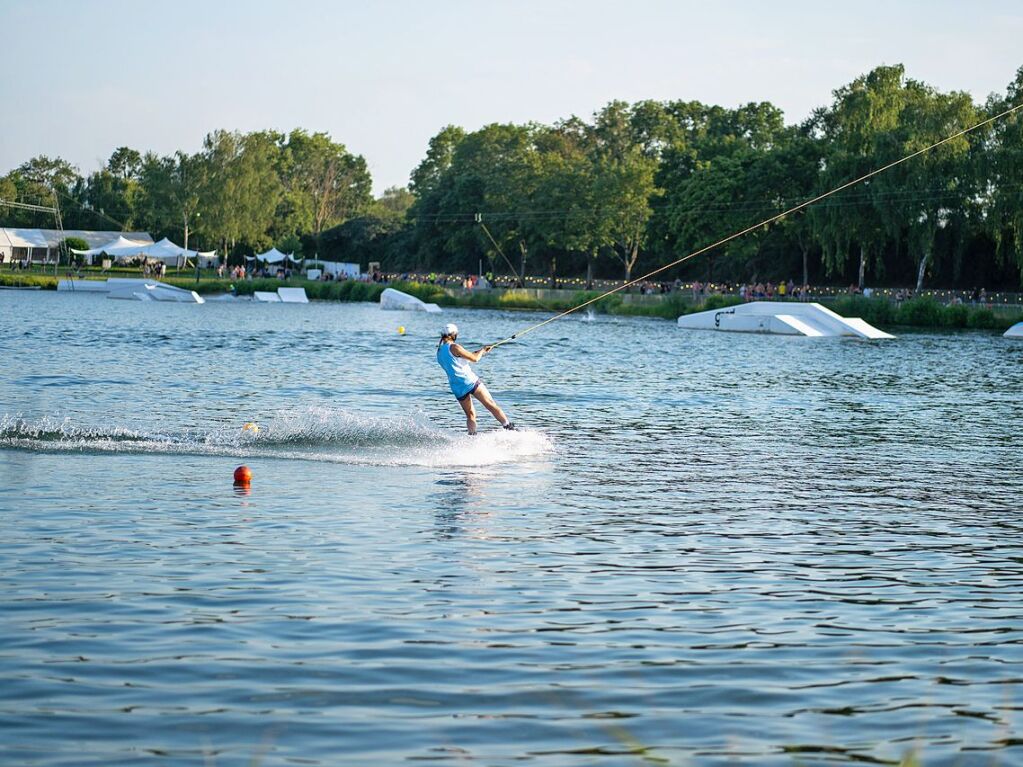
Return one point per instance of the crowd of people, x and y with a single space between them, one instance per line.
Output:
17 264
697 289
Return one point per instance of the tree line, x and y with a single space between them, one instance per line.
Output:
240 191
634 187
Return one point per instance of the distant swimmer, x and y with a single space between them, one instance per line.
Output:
465 384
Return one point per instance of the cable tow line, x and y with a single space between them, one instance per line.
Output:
765 222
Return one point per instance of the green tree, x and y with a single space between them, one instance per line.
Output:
395 202
439 155
624 171
324 183
725 172
125 163
241 187
68 244
855 133
1004 171
43 181
169 194
566 187
112 193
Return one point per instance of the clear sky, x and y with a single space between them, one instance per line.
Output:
82 77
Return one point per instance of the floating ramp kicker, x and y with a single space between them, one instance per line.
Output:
146 290
395 299
293 295
781 318
282 296
132 289
1016 331
83 286
150 290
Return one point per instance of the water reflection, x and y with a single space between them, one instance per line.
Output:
459 500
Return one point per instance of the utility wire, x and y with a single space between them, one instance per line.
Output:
847 200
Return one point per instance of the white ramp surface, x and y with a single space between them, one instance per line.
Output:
865 329
1016 331
799 326
396 300
293 295
781 318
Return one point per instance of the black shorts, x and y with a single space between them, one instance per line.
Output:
469 393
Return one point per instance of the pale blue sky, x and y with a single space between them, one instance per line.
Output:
82 77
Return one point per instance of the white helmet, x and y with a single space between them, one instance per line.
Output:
451 329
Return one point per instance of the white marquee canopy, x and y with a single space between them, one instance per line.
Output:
274 256
164 250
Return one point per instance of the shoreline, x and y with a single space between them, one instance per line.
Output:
923 312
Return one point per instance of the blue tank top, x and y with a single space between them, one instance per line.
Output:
460 375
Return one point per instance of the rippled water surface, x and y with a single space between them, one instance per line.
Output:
704 548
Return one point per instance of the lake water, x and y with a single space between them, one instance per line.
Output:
704 549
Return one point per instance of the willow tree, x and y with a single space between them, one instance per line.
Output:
855 133
931 191
1005 169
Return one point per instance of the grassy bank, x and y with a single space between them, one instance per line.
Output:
22 280
918 312
924 313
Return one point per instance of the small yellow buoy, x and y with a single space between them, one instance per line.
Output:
401 330
251 427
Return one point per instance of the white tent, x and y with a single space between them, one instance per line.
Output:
120 247
333 268
168 252
41 244
274 256
164 250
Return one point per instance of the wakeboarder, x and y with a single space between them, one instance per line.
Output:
464 382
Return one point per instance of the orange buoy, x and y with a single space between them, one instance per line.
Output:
242 475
